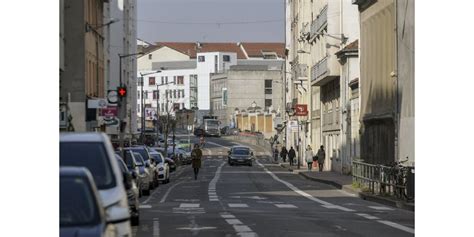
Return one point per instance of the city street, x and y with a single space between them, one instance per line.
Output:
262 200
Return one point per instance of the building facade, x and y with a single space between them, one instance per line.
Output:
83 75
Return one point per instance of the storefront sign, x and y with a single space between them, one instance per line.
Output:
301 110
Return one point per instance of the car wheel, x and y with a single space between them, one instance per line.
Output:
168 180
135 220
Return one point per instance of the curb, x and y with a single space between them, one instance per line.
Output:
360 194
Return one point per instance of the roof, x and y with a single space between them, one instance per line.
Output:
82 137
350 48
253 49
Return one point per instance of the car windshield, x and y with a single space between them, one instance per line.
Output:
142 152
212 122
77 204
240 151
157 158
128 159
121 164
139 159
91 155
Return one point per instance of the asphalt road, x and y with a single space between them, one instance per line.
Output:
262 200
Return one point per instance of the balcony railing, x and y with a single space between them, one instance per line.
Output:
320 22
320 68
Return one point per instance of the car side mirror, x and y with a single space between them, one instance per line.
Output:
116 214
251 153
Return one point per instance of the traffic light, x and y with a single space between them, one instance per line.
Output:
122 91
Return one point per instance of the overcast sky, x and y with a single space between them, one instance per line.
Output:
180 20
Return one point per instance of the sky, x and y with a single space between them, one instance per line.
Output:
197 20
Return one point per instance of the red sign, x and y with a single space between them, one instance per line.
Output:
111 111
122 91
301 110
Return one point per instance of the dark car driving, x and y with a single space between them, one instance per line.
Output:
240 155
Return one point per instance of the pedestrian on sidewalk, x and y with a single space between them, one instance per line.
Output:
275 154
283 154
196 156
309 157
321 157
291 155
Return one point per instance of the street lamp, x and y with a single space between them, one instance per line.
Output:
123 100
90 27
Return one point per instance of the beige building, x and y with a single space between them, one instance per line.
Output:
387 80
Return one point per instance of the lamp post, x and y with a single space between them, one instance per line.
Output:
123 100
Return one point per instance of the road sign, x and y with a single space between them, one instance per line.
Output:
110 111
112 96
293 125
97 103
301 110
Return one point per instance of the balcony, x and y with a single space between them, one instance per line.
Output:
320 22
319 69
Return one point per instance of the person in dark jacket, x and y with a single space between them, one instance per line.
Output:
291 155
196 155
275 154
321 157
283 154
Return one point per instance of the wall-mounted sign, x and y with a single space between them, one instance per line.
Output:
301 110
97 103
110 111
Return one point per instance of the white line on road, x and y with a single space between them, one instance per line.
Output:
156 227
285 206
242 228
213 143
367 216
233 222
189 205
398 226
168 192
144 206
247 234
237 205
337 207
228 216
381 208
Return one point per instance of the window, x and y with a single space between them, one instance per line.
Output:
166 80
174 94
268 87
268 103
182 105
138 109
180 80
182 93
215 63
151 81
138 94
226 58
201 58
162 80
179 94
145 94
150 56
174 80
155 95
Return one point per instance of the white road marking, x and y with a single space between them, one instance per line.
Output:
163 199
144 206
134 230
237 205
212 193
213 199
233 222
225 216
247 234
156 227
381 208
285 206
242 228
330 206
249 197
367 216
189 205
398 226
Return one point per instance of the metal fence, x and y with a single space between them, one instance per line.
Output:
377 179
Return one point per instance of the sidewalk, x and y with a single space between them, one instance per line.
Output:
344 182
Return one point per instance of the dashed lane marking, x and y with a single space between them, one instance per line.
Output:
242 228
233 221
367 216
337 207
397 226
189 205
163 199
144 206
285 206
237 205
156 227
381 208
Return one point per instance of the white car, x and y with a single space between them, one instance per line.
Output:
163 168
94 151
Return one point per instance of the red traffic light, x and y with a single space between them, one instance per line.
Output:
122 91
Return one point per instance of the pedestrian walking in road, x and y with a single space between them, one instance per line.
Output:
291 155
196 155
275 154
321 157
309 157
283 154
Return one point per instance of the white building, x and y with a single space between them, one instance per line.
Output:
121 38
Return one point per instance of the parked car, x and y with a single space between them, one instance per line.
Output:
184 156
163 167
161 143
132 165
171 164
132 191
144 152
94 151
144 173
81 211
240 155
169 154
184 144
